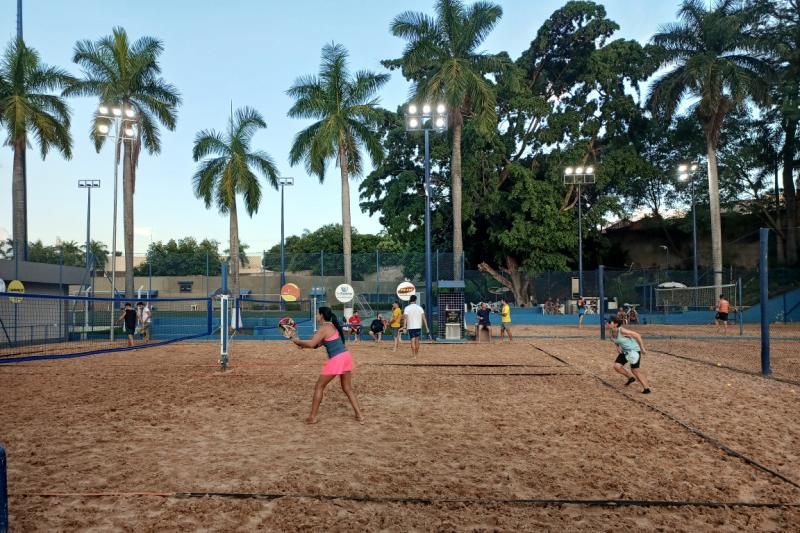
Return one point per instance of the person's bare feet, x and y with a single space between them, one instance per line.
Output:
361 419
311 420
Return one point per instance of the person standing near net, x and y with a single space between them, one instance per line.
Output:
129 317
413 320
723 308
395 324
581 311
145 318
505 320
630 348
340 363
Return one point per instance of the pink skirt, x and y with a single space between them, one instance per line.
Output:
337 365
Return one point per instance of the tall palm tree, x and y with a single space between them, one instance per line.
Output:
98 255
443 61
228 166
714 61
123 73
345 107
29 109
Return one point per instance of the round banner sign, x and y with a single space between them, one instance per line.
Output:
344 293
405 290
290 292
18 287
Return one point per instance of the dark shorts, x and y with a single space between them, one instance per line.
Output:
621 360
355 329
130 331
484 326
414 333
722 316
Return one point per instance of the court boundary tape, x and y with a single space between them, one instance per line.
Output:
420 500
731 368
698 433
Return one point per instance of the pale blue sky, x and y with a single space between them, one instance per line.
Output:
248 52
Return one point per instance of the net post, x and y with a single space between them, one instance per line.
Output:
223 332
740 304
763 265
314 312
3 492
602 303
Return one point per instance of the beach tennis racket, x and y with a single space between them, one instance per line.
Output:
288 327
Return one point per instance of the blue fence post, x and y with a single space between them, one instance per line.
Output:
763 266
377 274
741 307
601 308
210 319
3 492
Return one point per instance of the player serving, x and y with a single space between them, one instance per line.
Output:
340 362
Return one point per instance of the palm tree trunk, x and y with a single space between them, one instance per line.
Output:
19 200
455 192
127 215
789 192
716 221
346 237
234 258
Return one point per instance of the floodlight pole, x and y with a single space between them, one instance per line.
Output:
695 277
578 176
425 118
88 185
116 115
283 182
428 281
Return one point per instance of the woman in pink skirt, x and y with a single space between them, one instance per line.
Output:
340 362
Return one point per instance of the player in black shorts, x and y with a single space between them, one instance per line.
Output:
129 317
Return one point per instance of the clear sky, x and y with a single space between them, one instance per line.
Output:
247 52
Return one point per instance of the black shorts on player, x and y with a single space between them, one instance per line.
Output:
623 361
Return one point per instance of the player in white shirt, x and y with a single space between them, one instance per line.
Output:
413 320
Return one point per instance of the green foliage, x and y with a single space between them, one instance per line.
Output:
27 105
116 70
184 257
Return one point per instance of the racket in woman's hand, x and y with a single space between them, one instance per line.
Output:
288 327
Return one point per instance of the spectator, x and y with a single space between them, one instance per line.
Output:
484 322
376 328
355 325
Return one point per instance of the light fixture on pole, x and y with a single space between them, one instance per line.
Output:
686 172
88 185
283 182
425 117
116 122
578 176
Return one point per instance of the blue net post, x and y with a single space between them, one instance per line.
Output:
601 305
3 492
763 275
210 316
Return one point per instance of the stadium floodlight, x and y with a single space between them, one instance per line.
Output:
578 176
125 123
283 182
426 117
88 185
686 172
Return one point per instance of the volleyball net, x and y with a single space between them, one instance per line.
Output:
259 318
34 326
683 299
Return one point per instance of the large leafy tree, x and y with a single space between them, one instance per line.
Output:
229 166
121 72
184 257
344 106
29 109
443 60
714 61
